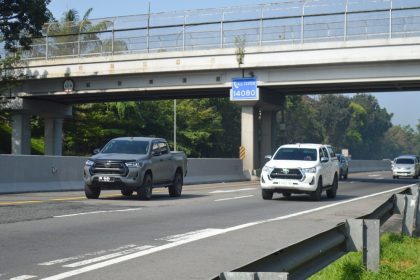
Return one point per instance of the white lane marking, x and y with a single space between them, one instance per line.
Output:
202 236
189 235
23 277
374 175
110 256
98 212
232 198
97 253
231 191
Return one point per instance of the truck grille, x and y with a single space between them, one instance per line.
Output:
109 167
286 173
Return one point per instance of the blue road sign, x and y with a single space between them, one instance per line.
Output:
244 89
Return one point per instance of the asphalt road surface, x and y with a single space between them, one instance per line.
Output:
212 228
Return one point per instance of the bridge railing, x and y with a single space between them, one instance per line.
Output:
288 22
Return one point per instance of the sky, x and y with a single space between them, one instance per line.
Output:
406 109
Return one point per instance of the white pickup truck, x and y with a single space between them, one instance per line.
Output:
301 168
135 164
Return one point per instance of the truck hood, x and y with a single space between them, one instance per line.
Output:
291 164
124 157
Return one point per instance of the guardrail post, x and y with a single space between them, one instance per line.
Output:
254 276
399 204
371 244
363 235
407 205
417 229
409 215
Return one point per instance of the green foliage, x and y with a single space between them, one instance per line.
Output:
20 20
302 121
240 49
201 125
400 260
335 116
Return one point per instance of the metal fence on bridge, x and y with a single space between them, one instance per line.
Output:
285 23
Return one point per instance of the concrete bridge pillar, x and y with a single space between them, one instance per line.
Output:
53 114
21 134
53 136
258 131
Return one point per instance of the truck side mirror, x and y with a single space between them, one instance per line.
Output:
325 159
268 157
96 151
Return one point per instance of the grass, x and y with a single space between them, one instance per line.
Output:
400 260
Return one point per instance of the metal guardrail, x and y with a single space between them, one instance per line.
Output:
309 256
288 22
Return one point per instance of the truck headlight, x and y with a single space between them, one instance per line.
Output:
267 169
309 170
134 164
89 162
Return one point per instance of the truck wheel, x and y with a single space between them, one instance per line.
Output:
287 194
176 188
266 194
91 192
316 195
331 193
145 191
126 192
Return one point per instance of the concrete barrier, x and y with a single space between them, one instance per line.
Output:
369 165
25 173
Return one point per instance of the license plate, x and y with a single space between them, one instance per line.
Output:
105 179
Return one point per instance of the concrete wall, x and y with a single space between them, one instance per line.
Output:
24 173
369 165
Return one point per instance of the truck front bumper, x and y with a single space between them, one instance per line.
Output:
131 181
306 185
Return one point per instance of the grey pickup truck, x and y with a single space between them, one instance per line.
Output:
135 164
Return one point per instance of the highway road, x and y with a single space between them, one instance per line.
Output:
210 229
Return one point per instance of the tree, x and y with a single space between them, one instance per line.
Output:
376 123
20 20
335 116
302 120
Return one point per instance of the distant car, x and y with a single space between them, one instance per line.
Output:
406 166
344 166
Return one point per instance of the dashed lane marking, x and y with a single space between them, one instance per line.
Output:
23 277
231 191
233 198
98 212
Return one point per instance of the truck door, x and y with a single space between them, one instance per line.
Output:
167 169
328 168
156 163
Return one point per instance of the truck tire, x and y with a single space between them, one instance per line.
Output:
145 191
316 195
175 189
91 192
266 194
126 192
332 193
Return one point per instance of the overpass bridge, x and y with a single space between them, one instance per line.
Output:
292 47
